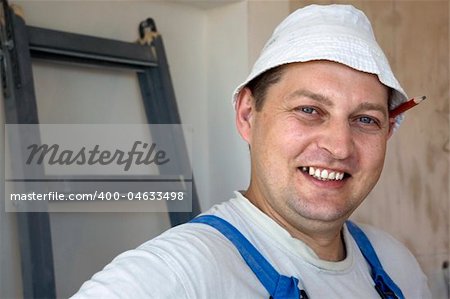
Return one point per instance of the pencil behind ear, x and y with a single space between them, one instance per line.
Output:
244 113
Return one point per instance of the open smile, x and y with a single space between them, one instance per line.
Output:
324 174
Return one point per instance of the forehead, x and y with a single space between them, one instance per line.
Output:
331 80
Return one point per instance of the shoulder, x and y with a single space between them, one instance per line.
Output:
197 239
387 247
137 273
397 261
180 258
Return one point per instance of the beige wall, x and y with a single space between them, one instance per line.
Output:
412 198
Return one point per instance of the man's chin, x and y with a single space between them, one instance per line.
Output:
324 214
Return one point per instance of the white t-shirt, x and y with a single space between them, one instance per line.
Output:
194 260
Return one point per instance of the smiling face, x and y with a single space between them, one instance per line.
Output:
318 142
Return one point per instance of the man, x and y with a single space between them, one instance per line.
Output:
315 114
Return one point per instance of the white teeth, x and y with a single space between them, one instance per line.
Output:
323 174
317 173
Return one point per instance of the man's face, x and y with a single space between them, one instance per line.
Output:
318 143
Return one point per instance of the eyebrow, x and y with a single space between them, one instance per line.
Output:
312 95
373 106
326 101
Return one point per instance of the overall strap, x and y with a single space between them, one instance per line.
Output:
278 286
384 285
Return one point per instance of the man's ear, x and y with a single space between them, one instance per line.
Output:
244 113
391 127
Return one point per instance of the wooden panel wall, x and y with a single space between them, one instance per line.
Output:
412 200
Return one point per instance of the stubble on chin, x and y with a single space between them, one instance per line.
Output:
318 211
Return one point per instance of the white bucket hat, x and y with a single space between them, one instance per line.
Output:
339 33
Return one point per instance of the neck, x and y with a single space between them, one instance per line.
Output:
324 238
327 243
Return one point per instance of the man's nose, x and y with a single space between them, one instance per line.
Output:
337 139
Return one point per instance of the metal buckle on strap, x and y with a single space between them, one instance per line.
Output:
388 294
303 295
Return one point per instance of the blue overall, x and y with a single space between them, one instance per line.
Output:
283 287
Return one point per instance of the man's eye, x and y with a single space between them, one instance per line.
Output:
308 110
367 120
